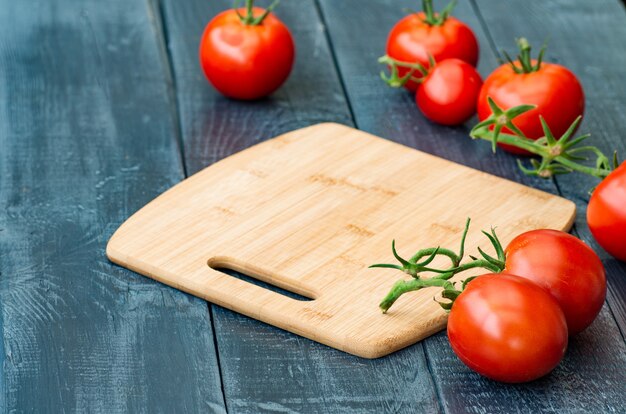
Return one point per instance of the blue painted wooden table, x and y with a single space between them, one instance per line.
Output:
103 106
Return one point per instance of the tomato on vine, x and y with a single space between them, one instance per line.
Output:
553 90
502 326
511 325
564 266
247 53
447 90
507 328
427 33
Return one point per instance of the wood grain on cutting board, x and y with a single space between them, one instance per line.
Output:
309 211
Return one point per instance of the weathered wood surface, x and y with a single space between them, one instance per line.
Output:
88 134
380 110
86 138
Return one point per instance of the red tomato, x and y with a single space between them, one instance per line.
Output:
412 39
246 61
553 88
566 267
448 93
606 213
507 328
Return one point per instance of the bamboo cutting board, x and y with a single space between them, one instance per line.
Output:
309 211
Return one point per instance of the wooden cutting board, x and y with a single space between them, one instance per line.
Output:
309 211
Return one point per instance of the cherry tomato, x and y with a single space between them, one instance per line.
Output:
566 267
412 39
507 328
245 60
553 88
448 93
606 213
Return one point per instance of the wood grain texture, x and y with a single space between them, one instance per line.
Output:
380 110
309 211
265 369
86 138
592 54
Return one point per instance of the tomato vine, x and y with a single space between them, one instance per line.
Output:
414 267
558 155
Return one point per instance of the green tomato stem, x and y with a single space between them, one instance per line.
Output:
524 59
432 18
404 286
509 139
414 268
427 252
249 18
542 151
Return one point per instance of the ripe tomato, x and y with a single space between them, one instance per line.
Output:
246 60
507 328
553 88
606 213
448 92
566 267
416 36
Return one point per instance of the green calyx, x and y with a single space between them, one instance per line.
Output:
432 18
249 18
555 155
524 61
420 261
416 72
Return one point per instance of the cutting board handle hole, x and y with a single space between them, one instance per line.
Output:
225 268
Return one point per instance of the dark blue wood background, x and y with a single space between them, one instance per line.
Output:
103 106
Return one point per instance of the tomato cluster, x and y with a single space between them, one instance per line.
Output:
512 324
427 39
434 54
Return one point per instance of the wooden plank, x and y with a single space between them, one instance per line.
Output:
264 368
86 138
587 38
392 113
